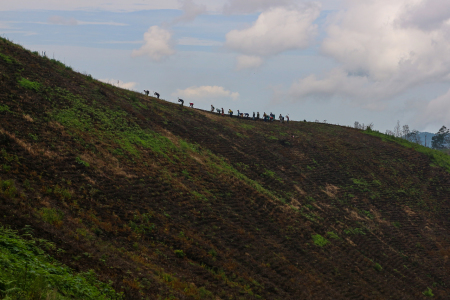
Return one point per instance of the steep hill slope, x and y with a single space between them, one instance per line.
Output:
177 203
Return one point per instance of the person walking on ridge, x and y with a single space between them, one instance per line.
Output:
222 112
212 108
181 101
287 119
191 105
230 112
257 116
156 94
146 92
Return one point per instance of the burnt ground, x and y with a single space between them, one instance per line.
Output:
177 203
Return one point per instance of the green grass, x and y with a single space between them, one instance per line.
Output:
30 85
319 240
51 216
6 58
4 108
27 272
109 125
378 267
437 157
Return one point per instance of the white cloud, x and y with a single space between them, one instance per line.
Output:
426 14
158 44
275 31
206 92
436 112
190 11
248 62
57 20
251 6
190 41
378 58
120 83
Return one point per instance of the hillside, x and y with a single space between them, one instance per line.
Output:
167 202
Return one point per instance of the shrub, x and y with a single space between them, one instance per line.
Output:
8 188
27 272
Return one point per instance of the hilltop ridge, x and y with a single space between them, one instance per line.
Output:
168 202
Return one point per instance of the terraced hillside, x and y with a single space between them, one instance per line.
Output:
176 203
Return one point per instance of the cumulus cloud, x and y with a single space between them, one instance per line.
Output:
434 113
58 20
251 6
120 83
275 31
158 44
248 62
377 58
426 14
190 11
206 92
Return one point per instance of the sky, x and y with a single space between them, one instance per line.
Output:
335 61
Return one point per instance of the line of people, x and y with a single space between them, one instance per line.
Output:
265 117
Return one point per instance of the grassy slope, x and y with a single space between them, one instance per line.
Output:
175 203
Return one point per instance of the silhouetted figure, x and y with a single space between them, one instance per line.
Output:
222 111
181 101
156 94
239 114
146 92
253 115
257 116
287 118
212 108
246 115
191 105
230 112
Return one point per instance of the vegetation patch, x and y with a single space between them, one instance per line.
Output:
319 240
30 85
439 158
4 108
27 272
6 58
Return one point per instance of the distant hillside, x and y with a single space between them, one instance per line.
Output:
426 137
166 202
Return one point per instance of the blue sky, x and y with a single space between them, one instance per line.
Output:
374 61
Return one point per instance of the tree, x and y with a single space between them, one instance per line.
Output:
414 137
442 139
